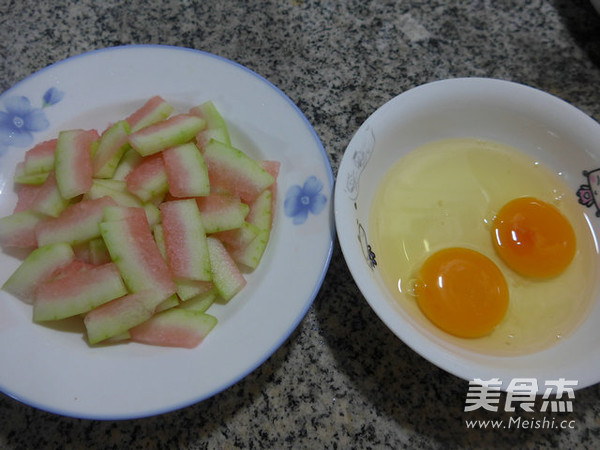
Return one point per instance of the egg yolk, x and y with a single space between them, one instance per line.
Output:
533 238
462 292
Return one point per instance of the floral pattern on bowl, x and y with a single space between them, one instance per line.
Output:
588 194
305 199
21 119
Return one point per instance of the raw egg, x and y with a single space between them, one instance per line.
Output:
533 238
462 193
462 291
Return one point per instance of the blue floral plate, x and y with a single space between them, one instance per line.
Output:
54 369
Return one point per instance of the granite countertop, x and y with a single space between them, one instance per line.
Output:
341 380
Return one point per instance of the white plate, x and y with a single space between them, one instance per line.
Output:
55 370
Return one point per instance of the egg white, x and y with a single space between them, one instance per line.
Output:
446 194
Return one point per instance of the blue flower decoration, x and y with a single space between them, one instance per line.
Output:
21 119
299 201
52 97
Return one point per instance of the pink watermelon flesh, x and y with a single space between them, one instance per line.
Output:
111 147
73 162
71 269
134 251
185 240
149 179
119 315
38 267
154 110
174 131
77 293
187 173
76 224
221 211
232 170
272 167
239 237
18 229
48 199
174 328
40 158
26 195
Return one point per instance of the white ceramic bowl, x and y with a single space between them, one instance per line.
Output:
535 122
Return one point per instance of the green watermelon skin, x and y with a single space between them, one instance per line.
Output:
39 266
148 180
187 173
73 162
156 109
226 276
112 145
221 211
133 249
119 315
78 293
174 131
216 127
175 327
40 158
230 169
47 199
18 229
76 224
185 240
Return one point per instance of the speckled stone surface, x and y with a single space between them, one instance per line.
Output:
341 380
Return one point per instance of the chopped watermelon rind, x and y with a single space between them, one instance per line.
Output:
133 249
78 293
185 240
200 302
119 315
226 275
111 147
216 127
175 327
154 110
73 162
38 267
176 130
234 171
76 224
18 229
187 173
221 212
114 262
